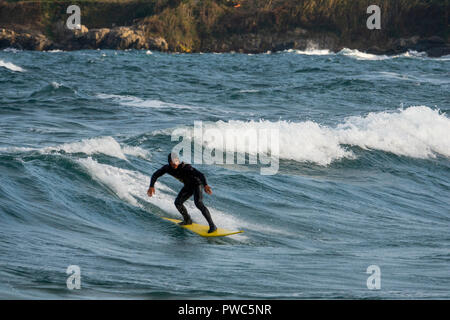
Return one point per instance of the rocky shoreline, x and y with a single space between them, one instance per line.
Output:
121 38
216 26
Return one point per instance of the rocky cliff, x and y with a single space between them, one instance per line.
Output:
228 25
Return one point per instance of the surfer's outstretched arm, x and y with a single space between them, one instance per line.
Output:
158 173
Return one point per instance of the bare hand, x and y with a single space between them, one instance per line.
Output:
208 189
151 191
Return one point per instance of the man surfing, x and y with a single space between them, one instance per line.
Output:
193 181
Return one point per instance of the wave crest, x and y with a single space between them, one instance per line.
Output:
101 145
11 66
417 131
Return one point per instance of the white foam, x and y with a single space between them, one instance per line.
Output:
55 84
16 149
104 145
101 145
358 55
135 151
124 183
132 101
418 131
55 51
301 141
311 52
11 66
412 54
13 50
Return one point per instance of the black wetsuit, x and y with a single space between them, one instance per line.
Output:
193 181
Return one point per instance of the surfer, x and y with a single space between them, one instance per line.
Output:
193 181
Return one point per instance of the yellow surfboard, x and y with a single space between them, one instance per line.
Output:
202 230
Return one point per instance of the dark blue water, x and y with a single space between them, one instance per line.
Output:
363 177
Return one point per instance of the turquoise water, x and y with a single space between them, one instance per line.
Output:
363 178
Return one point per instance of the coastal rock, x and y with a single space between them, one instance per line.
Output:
28 41
66 39
125 38
83 38
95 37
133 38
24 41
157 43
6 38
434 46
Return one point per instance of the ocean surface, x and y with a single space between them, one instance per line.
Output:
363 177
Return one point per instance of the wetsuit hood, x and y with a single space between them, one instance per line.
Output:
172 156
